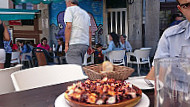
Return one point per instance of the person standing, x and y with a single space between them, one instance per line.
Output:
175 37
4 36
77 32
8 50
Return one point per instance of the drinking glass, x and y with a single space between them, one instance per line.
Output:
172 81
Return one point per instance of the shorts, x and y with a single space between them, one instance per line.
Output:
75 54
2 56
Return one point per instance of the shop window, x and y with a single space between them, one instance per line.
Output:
28 6
27 22
167 0
116 3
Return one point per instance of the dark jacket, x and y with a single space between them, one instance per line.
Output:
62 53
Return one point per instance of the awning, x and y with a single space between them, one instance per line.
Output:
17 14
36 1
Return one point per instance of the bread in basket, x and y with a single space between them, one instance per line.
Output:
119 72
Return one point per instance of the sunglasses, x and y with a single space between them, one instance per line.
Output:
185 5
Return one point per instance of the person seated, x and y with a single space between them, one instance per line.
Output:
60 51
98 54
15 47
125 43
30 45
114 43
60 47
24 49
44 44
176 19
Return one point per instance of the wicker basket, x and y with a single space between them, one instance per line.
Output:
119 72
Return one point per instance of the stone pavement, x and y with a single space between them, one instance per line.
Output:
143 71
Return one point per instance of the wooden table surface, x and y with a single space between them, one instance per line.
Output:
44 96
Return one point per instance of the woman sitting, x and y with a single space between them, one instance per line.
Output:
24 49
44 44
60 51
60 47
114 43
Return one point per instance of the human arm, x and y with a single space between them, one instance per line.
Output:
128 46
90 36
68 18
161 52
49 49
6 33
110 48
24 49
68 29
39 45
90 50
150 75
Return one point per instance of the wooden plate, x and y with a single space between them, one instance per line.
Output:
127 103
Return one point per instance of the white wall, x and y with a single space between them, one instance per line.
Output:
4 4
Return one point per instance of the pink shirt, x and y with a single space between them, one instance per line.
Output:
44 47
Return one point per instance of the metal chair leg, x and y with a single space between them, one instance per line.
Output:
138 69
149 65
29 63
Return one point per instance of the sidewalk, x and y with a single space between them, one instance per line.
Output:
143 71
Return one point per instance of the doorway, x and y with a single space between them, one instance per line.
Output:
117 21
116 17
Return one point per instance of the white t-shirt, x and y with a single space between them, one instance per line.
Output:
60 48
80 25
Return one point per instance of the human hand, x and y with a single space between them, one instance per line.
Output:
66 48
90 50
50 49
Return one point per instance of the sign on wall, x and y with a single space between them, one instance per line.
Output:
15 22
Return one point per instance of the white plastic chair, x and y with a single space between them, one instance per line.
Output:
86 56
15 57
116 57
142 57
6 84
24 58
145 48
46 75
